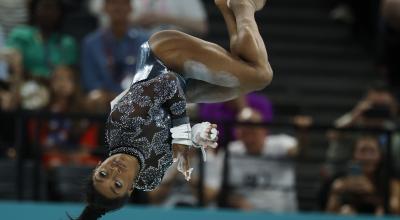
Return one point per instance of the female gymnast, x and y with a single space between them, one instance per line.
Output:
148 129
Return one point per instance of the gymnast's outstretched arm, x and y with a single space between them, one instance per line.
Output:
244 69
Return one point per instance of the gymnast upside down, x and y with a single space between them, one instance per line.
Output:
148 130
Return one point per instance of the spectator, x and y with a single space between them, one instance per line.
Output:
65 91
259 183
64 140
228 112
41 44
8 97
5 94
379 109
361 190
153 15
109 54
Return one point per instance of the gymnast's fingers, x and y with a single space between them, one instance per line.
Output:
184 165
176 152
212 133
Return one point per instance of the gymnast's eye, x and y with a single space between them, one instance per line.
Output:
118 184
102 174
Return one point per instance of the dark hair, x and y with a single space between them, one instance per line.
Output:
32 6
98 204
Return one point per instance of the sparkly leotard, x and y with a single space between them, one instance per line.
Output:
142 116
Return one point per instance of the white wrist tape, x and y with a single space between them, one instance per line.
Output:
182 134
196 136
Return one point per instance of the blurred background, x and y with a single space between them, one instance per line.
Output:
323 137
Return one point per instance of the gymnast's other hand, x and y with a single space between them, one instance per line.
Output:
204 135
181 155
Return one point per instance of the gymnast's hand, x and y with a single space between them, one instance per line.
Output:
204 135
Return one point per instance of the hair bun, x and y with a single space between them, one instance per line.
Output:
91 213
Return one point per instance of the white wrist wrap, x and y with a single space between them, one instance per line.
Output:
197 136
182 134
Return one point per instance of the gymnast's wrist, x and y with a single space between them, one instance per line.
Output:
182 134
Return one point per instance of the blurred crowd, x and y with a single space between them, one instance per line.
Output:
43 68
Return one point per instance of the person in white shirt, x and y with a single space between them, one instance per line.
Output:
261 174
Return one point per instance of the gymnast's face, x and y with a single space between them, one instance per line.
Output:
115 176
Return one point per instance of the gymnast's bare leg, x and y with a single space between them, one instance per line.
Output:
216 74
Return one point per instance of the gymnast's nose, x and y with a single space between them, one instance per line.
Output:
114 171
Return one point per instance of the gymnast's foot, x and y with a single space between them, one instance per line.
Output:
257 4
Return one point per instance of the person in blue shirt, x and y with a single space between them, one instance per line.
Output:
109 54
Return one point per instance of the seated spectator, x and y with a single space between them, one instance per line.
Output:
65 141
260 172
153 15
228 111
65 91
361 190
109 54
378 109
5 94
8 96
41 44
